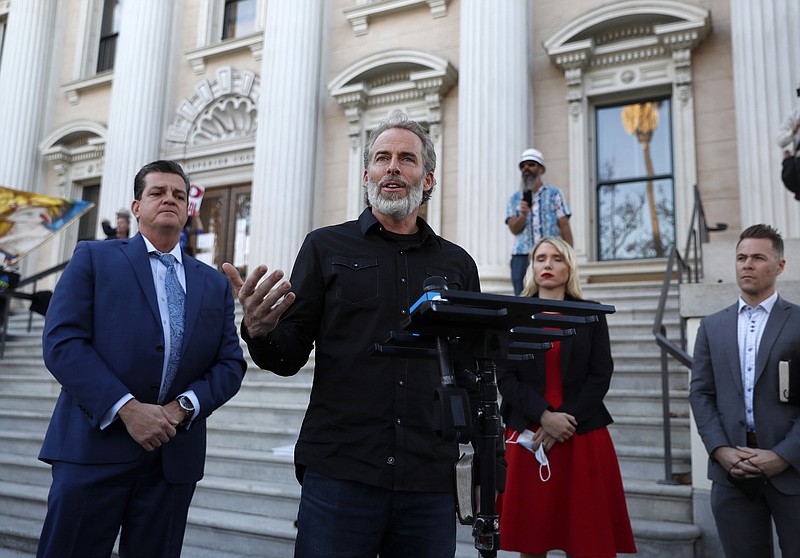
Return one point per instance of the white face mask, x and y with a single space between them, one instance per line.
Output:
525 439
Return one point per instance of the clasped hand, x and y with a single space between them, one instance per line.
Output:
151 426
555 427
744 462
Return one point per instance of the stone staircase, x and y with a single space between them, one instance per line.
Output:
661 513
247 502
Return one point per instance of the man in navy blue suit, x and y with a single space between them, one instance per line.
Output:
145 348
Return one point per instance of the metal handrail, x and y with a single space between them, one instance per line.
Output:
7 295
688 268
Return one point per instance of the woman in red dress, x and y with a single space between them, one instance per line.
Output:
563 485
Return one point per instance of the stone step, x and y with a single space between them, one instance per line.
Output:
23 362
249 436
25 501
18 330
12 383
623 318
647 431
246 504
238 534
636 305
273 391
653 501
646 402
664 539
631 364
615 293
20 442
256 497
255 375
636 378
24 469
26 421
236 414
633 340
638 381
280 534
247 464
18 325
647 462
654 539
26 402
641 342
18 536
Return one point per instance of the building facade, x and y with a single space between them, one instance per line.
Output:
267 104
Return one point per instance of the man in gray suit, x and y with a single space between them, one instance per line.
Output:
753 439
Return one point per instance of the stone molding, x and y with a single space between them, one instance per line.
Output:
629 45
199 57
76 152
360 14
220 109
73 89
416 82
414 76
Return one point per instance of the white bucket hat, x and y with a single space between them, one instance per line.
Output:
532 154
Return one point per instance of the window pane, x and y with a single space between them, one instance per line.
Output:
622 133
635 197
627 227
109 31
241 243
2 37
240 18
87 226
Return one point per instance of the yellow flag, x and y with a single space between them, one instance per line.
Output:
28 219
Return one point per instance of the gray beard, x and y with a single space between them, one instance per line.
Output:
528 182
393 205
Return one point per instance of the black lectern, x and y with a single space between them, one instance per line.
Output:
482 329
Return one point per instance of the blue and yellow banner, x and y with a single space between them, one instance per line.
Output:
28 219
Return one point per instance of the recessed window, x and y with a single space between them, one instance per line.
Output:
109 32
239 18
2 36
635 180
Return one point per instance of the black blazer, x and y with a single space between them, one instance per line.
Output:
586 368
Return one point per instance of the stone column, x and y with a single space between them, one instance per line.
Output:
766 73
139 100
494 111
24 74
284 172
574 75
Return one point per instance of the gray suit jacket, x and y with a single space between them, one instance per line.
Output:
717 394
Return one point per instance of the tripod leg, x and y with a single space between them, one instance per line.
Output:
486 529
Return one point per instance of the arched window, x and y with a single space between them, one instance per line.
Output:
628 72
76 152
412 81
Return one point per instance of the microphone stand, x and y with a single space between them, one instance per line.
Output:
486 328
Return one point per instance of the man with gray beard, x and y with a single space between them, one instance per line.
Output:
376 478
535 211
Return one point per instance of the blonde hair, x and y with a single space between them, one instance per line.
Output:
573 288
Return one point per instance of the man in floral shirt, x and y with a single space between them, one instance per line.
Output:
535 211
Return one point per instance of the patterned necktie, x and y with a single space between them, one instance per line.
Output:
176 306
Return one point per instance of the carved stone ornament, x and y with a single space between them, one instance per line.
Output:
220 109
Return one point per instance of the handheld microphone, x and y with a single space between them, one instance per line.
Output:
435 285
451 413
527 195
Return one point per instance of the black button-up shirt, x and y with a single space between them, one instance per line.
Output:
370 417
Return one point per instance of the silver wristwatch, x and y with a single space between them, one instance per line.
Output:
186 405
